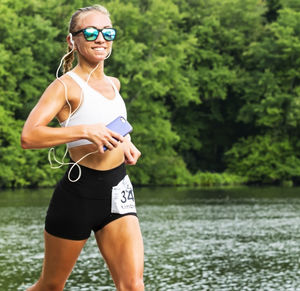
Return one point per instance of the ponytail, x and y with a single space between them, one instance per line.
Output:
68 61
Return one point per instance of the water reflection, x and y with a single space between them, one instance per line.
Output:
214 239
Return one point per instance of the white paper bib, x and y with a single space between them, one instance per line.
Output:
122 198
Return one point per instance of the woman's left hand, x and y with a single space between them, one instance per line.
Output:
131 153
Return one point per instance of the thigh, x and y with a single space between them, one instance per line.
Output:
68 214
121 245
60 258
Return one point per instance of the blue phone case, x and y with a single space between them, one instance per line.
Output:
119 125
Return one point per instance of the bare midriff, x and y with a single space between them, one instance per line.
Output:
98 161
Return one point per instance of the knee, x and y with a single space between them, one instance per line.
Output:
131 284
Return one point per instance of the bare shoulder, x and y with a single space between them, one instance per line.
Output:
62 85
116 82
57 90
62 81
58 84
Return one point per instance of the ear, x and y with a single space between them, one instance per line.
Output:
70 41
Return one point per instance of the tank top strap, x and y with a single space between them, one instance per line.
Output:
81 83
113 85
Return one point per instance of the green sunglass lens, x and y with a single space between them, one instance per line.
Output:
90 33
109 34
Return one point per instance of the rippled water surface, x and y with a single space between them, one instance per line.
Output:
195 239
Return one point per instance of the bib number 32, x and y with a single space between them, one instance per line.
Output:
123 197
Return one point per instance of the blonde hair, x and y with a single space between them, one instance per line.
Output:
68 61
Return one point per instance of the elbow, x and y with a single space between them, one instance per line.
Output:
25 142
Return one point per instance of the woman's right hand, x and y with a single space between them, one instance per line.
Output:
101 136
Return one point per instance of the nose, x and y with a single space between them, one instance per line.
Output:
100 37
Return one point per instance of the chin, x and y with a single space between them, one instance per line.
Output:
97 59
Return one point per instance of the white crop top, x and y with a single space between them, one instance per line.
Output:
94 108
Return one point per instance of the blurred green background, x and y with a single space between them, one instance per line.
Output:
212 87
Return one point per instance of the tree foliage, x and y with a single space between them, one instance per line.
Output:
212 87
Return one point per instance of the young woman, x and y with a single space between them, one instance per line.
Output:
95 194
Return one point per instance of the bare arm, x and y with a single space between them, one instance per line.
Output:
37 134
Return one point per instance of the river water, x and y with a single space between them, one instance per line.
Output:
195 239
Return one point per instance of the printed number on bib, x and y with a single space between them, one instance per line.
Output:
123 197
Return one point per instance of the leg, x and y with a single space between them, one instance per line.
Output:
121 245
60 258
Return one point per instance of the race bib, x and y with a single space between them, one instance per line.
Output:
122 200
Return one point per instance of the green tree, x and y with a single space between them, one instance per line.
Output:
264 159
272 12
27 48
210 86
224 30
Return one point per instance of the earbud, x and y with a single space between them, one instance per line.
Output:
71 39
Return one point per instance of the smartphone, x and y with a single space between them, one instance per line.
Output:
119 125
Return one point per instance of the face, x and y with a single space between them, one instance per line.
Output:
97 50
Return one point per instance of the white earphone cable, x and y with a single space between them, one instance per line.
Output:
51 151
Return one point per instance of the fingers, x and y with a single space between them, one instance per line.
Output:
116 136
110 144
104 138
107 145
113 140
132 154
135 157
129 159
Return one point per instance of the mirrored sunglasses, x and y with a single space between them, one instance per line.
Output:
91 33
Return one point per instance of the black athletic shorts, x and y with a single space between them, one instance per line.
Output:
77 208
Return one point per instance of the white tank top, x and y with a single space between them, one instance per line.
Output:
94 108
